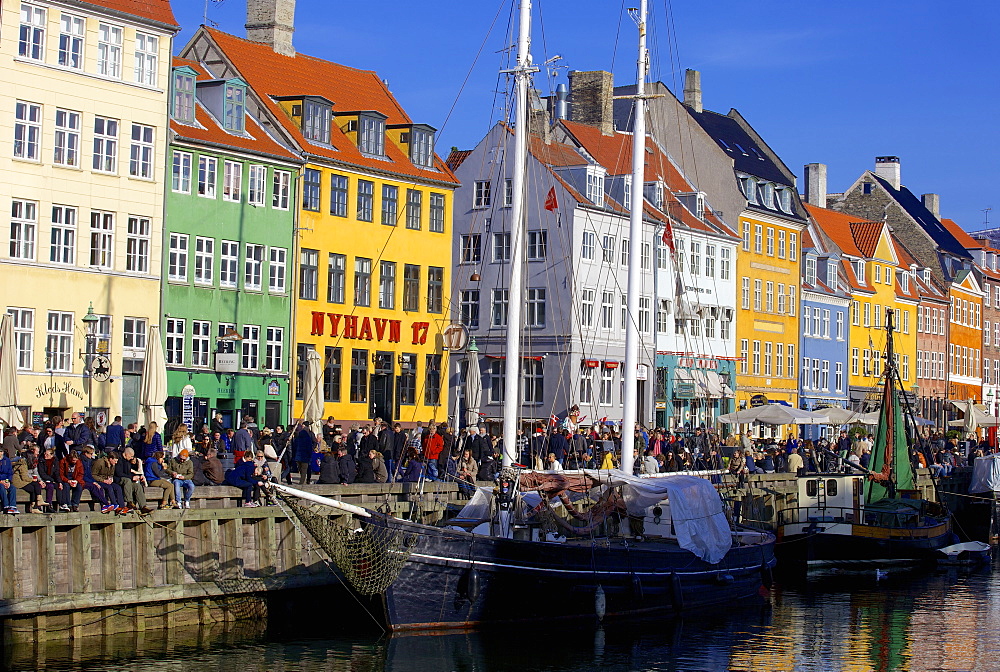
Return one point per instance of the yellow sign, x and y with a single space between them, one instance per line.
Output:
103 347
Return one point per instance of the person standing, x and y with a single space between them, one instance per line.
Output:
153 441
302 446
242 441
114 436
347 464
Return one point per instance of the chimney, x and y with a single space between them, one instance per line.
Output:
815 176
272 22
933 203
562 97
692 89
590 96
887 167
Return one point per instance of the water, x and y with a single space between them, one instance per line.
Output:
947 620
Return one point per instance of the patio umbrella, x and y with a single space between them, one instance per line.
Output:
974 417
473 386
835 415
153 391
10 414
773 414
312 389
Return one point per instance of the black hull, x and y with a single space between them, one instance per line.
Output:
458 580
844 550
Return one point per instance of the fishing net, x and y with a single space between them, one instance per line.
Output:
369 554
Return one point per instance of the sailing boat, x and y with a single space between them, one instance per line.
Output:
646 546
875 518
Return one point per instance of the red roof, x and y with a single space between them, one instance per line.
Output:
962 236
838 227
866 236
272 75
154 10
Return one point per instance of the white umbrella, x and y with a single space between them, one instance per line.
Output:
312 389
773 414
835 415
153 391
473 386
974 417
10 414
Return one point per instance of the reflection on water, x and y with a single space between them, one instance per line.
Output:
912 622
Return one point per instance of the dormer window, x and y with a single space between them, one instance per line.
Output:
904 281
767 195
371 133
653 191
927 275
595 184
810 270
749 186
784 198
234 110
832 278
182 103
316 121
422 146
859 270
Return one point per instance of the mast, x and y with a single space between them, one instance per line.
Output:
515 305
630 402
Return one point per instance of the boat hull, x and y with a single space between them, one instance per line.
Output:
843 544
459 580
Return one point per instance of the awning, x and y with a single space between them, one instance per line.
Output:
611 365
591 363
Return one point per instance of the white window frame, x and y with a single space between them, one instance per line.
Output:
142 152
59 341
282 187
253 267
232 181
587 245
137 244
499 307
27 131
274 356
23 229
201 343
482 196
62 236
102 242
537 245
257 185
147 50
134 334
181 172
587 299
208 176
177 257
277 274
66 141
173 351
535 313
106 145
250 350
229 264
33 20
109 50
501 247
23 324
204 261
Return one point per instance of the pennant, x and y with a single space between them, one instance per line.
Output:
550 200
668 236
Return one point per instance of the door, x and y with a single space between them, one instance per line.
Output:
640 407
382 406
130 398
272 414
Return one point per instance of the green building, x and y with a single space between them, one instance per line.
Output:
228 256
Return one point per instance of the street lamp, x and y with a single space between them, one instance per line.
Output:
90 322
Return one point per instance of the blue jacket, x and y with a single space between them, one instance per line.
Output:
114 436
80 435
88 476
6 468
303 445
242 441
242 472
149 448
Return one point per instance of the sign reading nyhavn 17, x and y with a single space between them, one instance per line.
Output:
366 328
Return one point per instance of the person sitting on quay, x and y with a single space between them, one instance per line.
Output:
211 468
245 477
413 470
329 468
35 485
103 471
152 441
71 479
468 469
8 491
347 464
179 440
158 476
182 471
128 474
48 471
78 434
90 485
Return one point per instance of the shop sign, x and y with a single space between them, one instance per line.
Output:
366 328
697 363
48 389
273 389
758 400
187 405
227 362
455 337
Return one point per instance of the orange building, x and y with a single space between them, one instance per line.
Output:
965 378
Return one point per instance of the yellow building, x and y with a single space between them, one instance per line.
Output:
83 119
374 247
880 281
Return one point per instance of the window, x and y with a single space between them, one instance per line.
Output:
366 191
141 153
229 260
807 321
359 376
757 285
625 250
137 244
23 228
387 285
31 41
411 287
587 299
274 347
770 296
390 204
414 205
538 242
470 248
331 375
710 261
406 386
62 247
868 314
536 307
206 176
201 334
435 289
501 298
768 358
437 213
497 381
469 308
624 304
28 131
102 226
281 182
606 390
501 247
178 257
790 358
371 135
256 185
588 245
725 327
770 241
607 310
338 194
508 192
854 362
608 249
644 317
481 194
811 270
824 375
146 54
756 358
586 385
422 147
362 281
253 267
595 187
745 293
336 277
232 182
662 312
59 342
534 384
793 246
746 236
234 109
109 51
432 381
758 238
308 274
204 261
183 98
316 121
276 283
791 300
826 324
181 172
66 151
23 323
251 347
174 350
781 244
781 298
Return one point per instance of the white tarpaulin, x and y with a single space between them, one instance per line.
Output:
986 474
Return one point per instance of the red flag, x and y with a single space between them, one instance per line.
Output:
550 200
553 420
668 237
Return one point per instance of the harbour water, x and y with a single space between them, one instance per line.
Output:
946 620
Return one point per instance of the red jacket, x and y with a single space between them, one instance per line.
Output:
434 447
68 472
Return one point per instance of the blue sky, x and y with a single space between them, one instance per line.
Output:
836 83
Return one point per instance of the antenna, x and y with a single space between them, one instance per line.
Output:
986 213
